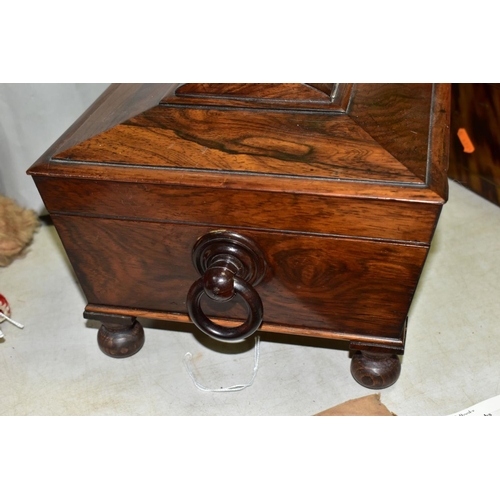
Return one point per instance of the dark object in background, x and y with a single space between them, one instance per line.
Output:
476 108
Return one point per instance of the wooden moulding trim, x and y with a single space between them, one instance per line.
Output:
243 181
388 348
439 140
376 347
98 310
342 95
202 102
337 104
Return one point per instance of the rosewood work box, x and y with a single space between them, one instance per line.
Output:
304 209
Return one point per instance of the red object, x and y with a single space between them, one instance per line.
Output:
4 307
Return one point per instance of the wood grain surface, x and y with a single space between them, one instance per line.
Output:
334 284
397 116
305 145
331 97
224 207
274 91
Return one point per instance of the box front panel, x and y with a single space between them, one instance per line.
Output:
327 283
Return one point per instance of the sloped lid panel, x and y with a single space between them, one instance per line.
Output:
117 104
398 117
315 145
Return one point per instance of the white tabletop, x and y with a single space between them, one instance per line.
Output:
452 361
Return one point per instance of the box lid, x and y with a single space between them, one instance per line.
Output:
367 140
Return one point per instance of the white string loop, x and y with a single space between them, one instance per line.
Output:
233 388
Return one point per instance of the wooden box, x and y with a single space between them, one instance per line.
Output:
305 209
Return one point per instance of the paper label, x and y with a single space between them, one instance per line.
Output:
488 408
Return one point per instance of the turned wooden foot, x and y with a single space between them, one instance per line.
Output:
119 340
375 370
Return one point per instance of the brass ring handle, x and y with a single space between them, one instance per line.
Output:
229 264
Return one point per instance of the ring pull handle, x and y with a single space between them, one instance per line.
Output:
230 264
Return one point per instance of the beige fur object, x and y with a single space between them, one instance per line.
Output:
17 227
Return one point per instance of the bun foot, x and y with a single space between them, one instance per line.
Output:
120 341
375 370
